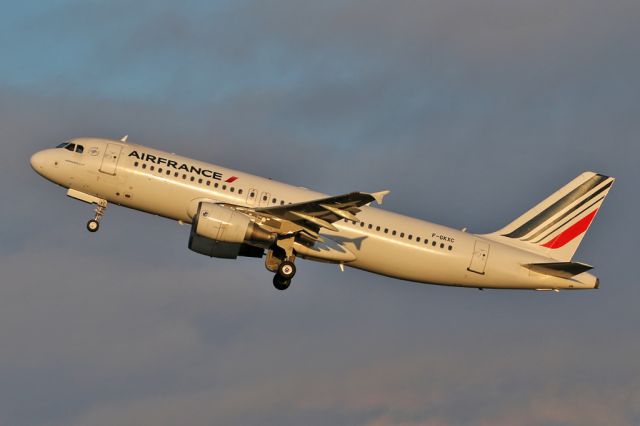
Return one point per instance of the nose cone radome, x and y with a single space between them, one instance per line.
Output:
38 161
44 163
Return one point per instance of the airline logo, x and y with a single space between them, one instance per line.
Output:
567 218
211 174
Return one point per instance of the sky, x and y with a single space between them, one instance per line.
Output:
469 111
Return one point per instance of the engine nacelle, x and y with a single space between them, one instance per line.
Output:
219 231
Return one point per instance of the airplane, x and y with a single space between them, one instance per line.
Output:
232 214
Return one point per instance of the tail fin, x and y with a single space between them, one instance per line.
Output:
556 226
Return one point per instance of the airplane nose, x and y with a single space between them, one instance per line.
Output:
37 161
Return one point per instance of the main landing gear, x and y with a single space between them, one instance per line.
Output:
286 271
280 261
94 224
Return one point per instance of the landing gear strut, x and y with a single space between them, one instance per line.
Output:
94 224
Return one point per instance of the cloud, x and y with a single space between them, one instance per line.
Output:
435 388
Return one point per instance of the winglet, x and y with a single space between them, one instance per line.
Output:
378 196
124 138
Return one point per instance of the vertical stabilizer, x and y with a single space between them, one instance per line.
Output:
556 226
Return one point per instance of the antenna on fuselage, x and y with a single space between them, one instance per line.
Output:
124 138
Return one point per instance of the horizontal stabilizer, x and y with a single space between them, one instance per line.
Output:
559 269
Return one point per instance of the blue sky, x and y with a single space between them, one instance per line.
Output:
468 111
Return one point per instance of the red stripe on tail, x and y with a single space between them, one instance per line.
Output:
572 232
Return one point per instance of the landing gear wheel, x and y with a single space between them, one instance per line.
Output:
93 225
281 283
287 270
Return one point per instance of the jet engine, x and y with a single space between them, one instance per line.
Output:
219 231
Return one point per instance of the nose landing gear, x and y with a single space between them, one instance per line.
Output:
94 224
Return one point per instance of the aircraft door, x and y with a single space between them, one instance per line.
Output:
264 199
252 195
479 258
110 159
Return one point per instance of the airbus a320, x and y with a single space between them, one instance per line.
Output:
233 213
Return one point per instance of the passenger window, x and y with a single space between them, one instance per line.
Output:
176 174
362 224
282 202
79 149
410 237
199 180
240 191
450 248
168 172
224 187
433 243
215 185
386 230
152 168
402 235
193 178
144 165
208 183
274 201
377 228
417 239
136 164
184 177
159 169
394 233
264 198
232 189
441 245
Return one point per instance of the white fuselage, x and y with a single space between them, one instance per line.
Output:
383 242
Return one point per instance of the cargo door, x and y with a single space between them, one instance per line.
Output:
479 258
110 159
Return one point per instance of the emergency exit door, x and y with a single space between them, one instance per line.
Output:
264 199
110 159
252 195
479 258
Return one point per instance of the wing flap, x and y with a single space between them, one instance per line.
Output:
321 213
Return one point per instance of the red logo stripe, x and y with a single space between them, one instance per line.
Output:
572 232
231 179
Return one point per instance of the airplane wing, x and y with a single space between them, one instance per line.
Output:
310 216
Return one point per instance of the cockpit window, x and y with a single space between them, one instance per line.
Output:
79 149
62 145
71 147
